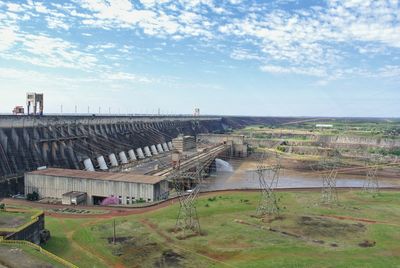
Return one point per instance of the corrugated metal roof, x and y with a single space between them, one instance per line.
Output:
95 175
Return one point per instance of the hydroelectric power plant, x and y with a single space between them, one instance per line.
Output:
98 143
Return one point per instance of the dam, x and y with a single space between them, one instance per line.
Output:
87 142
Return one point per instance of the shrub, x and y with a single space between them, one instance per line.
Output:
32 196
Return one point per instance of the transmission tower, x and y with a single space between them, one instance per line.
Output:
188 221
371 184
329 191
329 172
268 177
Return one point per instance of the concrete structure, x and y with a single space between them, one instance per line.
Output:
184 143
113 160
28 142
102 163
153 150
18 110
140 153
132 156
123 158
88 164
34 99
159 148
165 147
29 231
237 142
170 146
128 187
74 198
147 151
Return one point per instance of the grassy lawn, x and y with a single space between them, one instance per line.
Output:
362 231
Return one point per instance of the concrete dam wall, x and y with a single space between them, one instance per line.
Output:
28 142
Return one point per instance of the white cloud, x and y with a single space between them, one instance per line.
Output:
8 37
275 69
389 71
242 54
55 23
47 51
314 41
152 21
14 7
128 77
318 37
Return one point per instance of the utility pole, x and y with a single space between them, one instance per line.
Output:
114 235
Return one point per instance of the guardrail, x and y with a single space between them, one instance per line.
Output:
40 249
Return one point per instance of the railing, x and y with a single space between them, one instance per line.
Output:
40 249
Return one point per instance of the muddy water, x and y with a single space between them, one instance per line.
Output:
244 177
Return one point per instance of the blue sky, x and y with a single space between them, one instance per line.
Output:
271 58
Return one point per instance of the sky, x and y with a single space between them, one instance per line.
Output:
226 57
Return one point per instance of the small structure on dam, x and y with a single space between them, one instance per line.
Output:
128 187
184 143
237 143
36 101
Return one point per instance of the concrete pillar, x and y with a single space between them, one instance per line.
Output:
113 160
159 148
132 155
102 162
140 153
147 151
123 158
154 150
88 164
170 145
165 147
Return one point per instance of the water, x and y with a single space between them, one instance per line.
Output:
241 177
223 166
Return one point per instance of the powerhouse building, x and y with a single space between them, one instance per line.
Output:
96 186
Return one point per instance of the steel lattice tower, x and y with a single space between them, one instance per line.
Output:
371 184
188 220
268 177
329 191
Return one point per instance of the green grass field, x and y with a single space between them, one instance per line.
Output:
362 231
